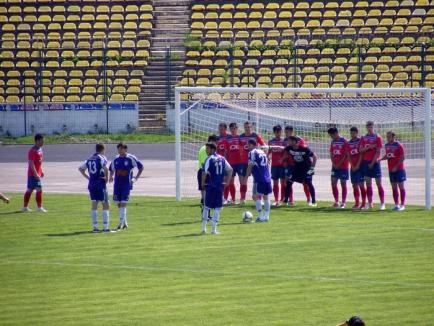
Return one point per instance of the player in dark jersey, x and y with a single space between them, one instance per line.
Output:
216 172
96 165
304 167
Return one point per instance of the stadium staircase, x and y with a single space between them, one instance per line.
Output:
171 25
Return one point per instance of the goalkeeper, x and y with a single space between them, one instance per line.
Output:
304 167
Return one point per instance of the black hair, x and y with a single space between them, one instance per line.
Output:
355 321
211 146
289 128
332 131
277 128
233 125
392 133
252 142
212 138
369 123
122 145
248 123
354 128
38 137
99 147
223 124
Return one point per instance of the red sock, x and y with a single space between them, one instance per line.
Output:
335 193
39 198
243 190
395 195
232 191
363 193
276 191
226 192
369 194
381 193
27 196
306 191
282 190
356 193
344 193
402 191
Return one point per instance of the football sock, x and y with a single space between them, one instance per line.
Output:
395 195
267 207
122 215
369 194
356 192
105 219
243 190
258 205
39 198
306 191
344 193
226 192
27 196
276 191
402 191
335 191
363 193
288 192
312 191
215 219
205 214
94 216
381 193
232 191
282 189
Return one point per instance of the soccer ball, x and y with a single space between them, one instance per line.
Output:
247 216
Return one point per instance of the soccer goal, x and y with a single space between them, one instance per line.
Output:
407 111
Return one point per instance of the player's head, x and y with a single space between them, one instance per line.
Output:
210 148
289 131
277 130
370 126
252 144
233 127
213 139
390 136
354 132
353 321
223 127
122 148
100 148
248 127
293 141
333 132
39 140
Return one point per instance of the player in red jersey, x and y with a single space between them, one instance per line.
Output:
276 148
233 156
356 173
370 147
34 174
288 164
395 162
244 142
221 143
340 166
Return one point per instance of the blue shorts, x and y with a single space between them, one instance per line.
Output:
341 174
262 188
33 183
121 193
98 194
288 170
398 176
357 176
277 172
239 169
375 172
300 176
213 197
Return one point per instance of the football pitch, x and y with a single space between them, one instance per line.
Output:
307 266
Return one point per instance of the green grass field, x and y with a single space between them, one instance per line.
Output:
306 267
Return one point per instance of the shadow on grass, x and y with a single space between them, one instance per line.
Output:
9 213
68 234
180 223
187 235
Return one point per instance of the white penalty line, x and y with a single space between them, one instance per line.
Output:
221 273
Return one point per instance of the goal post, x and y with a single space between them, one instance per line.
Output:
407 111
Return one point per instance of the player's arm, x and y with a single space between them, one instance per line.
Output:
112 171
250 165
205 174
344 156
82 169
228 173
33 168
331 157
139 166
259 140
401 159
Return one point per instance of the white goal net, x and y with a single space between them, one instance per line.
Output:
406 111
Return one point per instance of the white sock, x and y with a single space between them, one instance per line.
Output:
205 213
105 219
258 205
94 215
122 215
215 219
267 207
